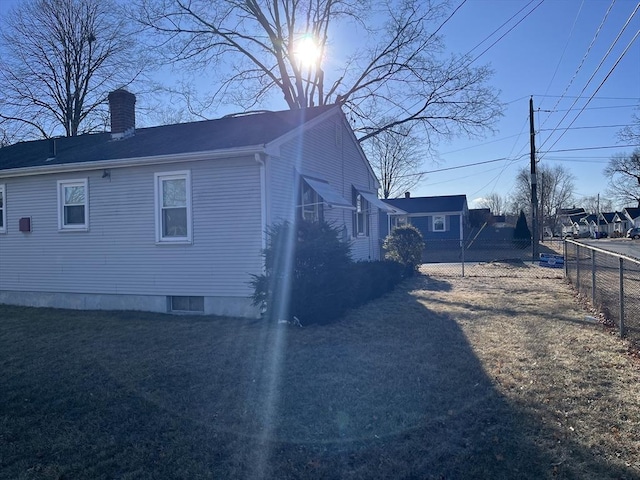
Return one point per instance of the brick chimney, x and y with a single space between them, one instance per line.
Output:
407 194
122 106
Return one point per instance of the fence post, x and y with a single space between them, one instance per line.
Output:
593 277
621 297
462 253
565 250
577 267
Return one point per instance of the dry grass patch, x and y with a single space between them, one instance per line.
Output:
449 378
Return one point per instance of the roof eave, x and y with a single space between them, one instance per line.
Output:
133 162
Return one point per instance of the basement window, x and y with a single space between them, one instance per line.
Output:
184 304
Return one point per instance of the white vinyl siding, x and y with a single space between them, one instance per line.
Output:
73 205
327 151
119 254
173 207
3 208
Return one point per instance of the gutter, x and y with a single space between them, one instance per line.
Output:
133 162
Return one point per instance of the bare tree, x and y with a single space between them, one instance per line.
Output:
396 157
631 133
624 178
596 204
556 190
387 67
496 203
60 58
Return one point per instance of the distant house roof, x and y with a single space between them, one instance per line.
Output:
222 134
633 212
572 211
446 203
608 216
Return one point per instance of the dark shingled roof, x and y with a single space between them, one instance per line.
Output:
224 133
445 203
633 212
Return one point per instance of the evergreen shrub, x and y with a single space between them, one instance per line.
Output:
309 274
405 245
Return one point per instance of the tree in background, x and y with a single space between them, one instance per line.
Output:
396 157
496 203
631 133
624 178
395 74
556 190
595 204
522 234
60 58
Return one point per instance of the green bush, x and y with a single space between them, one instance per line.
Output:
309 275
405 245
370 280
305 275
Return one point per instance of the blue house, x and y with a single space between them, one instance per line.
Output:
439 219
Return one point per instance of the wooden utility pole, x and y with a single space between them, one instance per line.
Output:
534 185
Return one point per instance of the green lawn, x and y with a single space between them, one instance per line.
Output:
444 378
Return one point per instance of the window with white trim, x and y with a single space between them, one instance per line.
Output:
360 215
311 207
73 205
3 209
439 223
173 206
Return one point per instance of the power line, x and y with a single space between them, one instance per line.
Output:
615 41
584 57
564 50
605 78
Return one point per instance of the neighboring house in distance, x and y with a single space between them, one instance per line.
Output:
438 218
173 218
621 224
633 215
607 223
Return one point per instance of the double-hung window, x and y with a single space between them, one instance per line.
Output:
173 207
439 223
3 209
73 205
360 215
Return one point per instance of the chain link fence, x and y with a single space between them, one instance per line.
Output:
611 281
482 258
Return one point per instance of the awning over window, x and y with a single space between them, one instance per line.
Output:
329 195
373 199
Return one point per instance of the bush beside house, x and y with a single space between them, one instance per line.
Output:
405 245
309 275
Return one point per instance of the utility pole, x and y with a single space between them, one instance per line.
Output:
534 185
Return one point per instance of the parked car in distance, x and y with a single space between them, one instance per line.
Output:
599 235
633 233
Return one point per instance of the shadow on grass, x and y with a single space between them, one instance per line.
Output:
392 391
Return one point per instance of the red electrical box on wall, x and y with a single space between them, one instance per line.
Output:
24 224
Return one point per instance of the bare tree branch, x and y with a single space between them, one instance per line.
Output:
624 178
60 59
394 72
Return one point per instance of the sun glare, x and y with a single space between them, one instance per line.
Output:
307 51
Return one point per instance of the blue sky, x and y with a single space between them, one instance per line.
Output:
540 57
543 56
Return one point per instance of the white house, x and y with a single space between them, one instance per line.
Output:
173 218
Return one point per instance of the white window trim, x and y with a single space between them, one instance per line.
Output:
3 212
158 178
84 182
444 223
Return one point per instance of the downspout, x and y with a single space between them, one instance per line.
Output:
263 199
